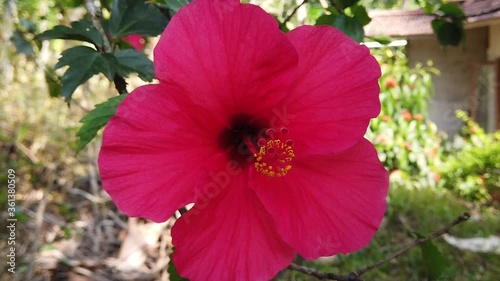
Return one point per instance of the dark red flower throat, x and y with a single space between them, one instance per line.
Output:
250 141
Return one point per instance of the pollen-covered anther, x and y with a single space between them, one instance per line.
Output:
275 155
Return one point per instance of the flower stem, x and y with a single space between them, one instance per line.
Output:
95 16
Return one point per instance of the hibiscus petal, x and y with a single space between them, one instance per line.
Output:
336 91
154 151
229 57
229 237
328 204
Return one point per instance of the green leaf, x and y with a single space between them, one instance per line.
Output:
175 5
435 263
382 39
97 119
130 61
348 3
448 33
81 30
436 25
452 9
429 8
360 14
172 271
350 26
135 17
325 20
338 5
333 11
22 45
84 62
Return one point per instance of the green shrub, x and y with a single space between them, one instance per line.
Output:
408 143
472 166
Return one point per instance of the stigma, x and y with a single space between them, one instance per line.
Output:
275 153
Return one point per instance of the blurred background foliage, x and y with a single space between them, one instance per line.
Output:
412 148
407 141
72 231
471 165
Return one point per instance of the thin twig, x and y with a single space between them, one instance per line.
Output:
93 199
355 276
94 187
322 275
289 17
120 84
40 212
95 15
336 6
31 156
183 210
446 229
164 10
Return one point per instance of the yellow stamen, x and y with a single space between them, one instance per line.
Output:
274 158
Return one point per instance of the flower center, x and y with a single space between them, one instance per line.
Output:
275 154
247 141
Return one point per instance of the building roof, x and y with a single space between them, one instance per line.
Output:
411 23
479 10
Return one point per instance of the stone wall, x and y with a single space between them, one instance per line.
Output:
494 47
453 87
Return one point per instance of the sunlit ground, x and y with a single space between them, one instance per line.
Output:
68 229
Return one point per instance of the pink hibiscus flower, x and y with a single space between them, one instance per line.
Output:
262 131
136 41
